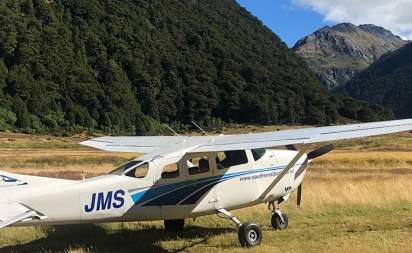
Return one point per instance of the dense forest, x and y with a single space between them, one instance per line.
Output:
125 67
386 82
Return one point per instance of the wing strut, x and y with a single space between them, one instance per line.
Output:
301 152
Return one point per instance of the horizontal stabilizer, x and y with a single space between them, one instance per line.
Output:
15 212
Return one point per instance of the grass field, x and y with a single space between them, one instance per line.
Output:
358 198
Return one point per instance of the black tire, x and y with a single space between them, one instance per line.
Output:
174 225
277 222
249 234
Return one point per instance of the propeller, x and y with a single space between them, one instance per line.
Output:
299 197
320 151
311 155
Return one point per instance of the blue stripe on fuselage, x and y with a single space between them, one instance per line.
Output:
188 192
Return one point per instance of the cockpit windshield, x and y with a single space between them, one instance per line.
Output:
258 153
133 168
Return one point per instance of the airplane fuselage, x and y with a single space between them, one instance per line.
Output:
158 188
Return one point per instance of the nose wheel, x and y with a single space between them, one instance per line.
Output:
279 219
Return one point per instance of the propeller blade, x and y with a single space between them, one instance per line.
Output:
299 197
320 151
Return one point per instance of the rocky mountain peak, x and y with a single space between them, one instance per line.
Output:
380 32
338 53
346 28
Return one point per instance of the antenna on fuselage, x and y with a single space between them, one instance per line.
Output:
202 130
175 132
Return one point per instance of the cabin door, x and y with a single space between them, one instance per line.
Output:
172 188
201 181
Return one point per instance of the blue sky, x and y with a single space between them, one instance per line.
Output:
292 20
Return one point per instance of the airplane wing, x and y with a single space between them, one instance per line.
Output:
15 212
249 141
139 144
305 135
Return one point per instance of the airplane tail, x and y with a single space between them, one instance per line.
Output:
17 184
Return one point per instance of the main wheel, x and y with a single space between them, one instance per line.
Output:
249 234
277 222
174 225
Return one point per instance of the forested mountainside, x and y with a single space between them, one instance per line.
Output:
387 82
127 66
338 53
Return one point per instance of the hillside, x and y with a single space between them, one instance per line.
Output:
386 82
338 53
127 66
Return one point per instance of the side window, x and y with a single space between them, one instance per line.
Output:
231 158
139 171
122 168
170 171
198 165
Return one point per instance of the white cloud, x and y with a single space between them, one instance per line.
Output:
394 15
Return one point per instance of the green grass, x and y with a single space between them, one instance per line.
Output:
335 229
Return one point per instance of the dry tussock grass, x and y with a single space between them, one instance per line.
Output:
67 164
368 178
368 191
368 160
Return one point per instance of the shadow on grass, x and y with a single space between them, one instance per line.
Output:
93 238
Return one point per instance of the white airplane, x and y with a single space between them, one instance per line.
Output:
179 178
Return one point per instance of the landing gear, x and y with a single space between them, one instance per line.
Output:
174 225
249 234
279 219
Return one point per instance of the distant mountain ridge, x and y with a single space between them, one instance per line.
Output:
338 53
387 82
